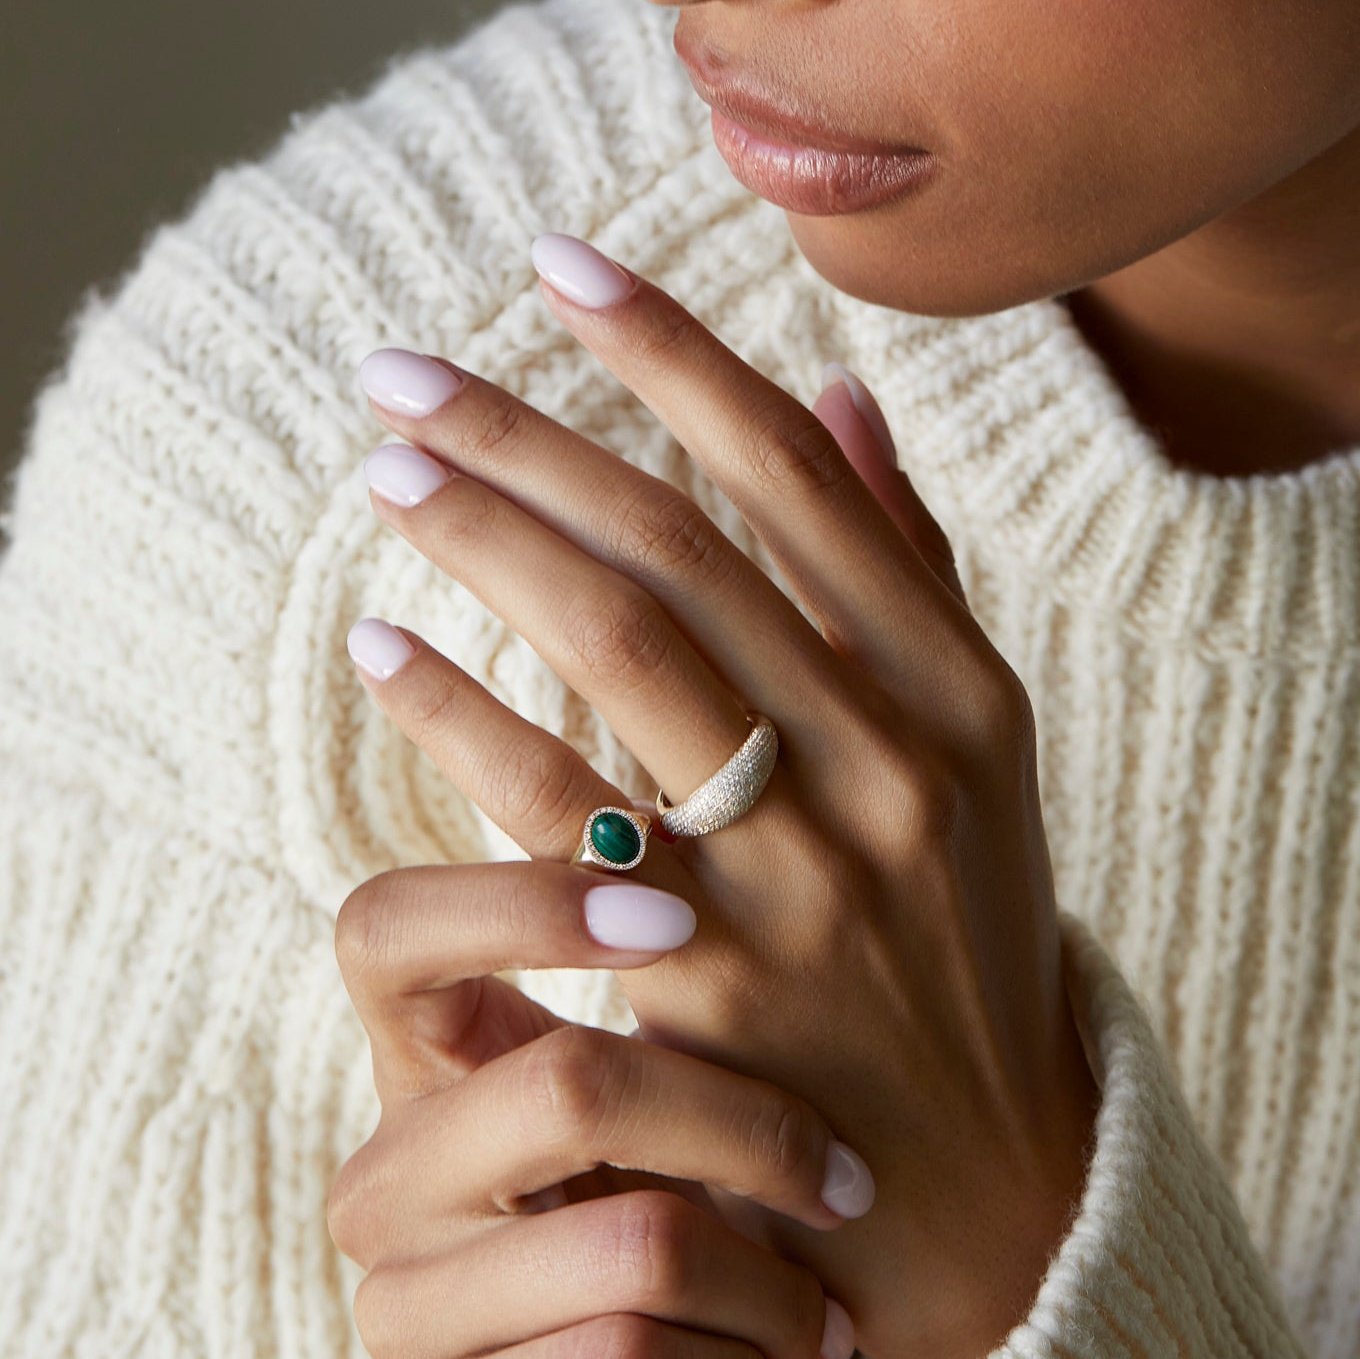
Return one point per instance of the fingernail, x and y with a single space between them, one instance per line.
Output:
838 1335
869 409
626 915
849 1186
378 647
402 474
579 270
408 383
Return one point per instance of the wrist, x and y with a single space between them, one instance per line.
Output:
1035 1209
951 1270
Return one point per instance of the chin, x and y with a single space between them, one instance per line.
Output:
864 257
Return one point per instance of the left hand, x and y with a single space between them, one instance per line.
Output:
455 1209
878 934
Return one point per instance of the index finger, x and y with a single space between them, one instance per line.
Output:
417 948
772 457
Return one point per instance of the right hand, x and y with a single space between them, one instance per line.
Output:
456 1207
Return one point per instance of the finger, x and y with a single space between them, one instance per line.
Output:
636 523
629 1333
582 1097
529 782
774 459
649 1252
608 638
848 409
417 948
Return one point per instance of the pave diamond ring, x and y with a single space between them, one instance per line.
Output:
724 796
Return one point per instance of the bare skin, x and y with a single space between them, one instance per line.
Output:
1187 172
1240 344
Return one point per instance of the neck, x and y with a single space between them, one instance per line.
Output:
1239 344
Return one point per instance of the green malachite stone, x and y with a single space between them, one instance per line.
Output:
615 838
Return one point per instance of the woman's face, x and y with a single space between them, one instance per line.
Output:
1071 137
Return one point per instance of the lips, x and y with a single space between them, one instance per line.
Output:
794 160
814 182
773 116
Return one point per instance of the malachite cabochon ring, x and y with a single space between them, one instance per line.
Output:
726 795
614 838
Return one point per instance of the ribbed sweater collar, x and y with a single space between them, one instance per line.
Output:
1013 426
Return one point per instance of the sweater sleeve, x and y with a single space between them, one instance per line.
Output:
1158 1260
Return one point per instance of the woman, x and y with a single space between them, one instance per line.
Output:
889 1088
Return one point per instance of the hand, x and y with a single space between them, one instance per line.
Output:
443 1205
878 934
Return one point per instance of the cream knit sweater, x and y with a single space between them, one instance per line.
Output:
192 778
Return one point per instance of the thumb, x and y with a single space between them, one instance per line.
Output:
848 409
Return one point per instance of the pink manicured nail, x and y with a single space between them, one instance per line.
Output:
849 1186
407 383
626 915
404 475
838 1335
378 647
579 270
870 411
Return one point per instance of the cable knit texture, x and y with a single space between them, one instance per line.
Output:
192 778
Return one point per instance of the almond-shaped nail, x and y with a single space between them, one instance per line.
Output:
578 270
404 475
378 647
869 410
628 915
849 1185
410 384
838 1334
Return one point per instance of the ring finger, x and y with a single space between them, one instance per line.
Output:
530 782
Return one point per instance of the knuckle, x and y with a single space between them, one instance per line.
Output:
620 642
619 1335
784 1137
1000 711
429 710
467 511
567 1080
344 1213
377 1312
789 449
497 422
672 330
651 1246
363 928
532 781
666 533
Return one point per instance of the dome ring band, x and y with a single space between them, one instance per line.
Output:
731 791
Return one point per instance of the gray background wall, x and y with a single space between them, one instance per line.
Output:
114 111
